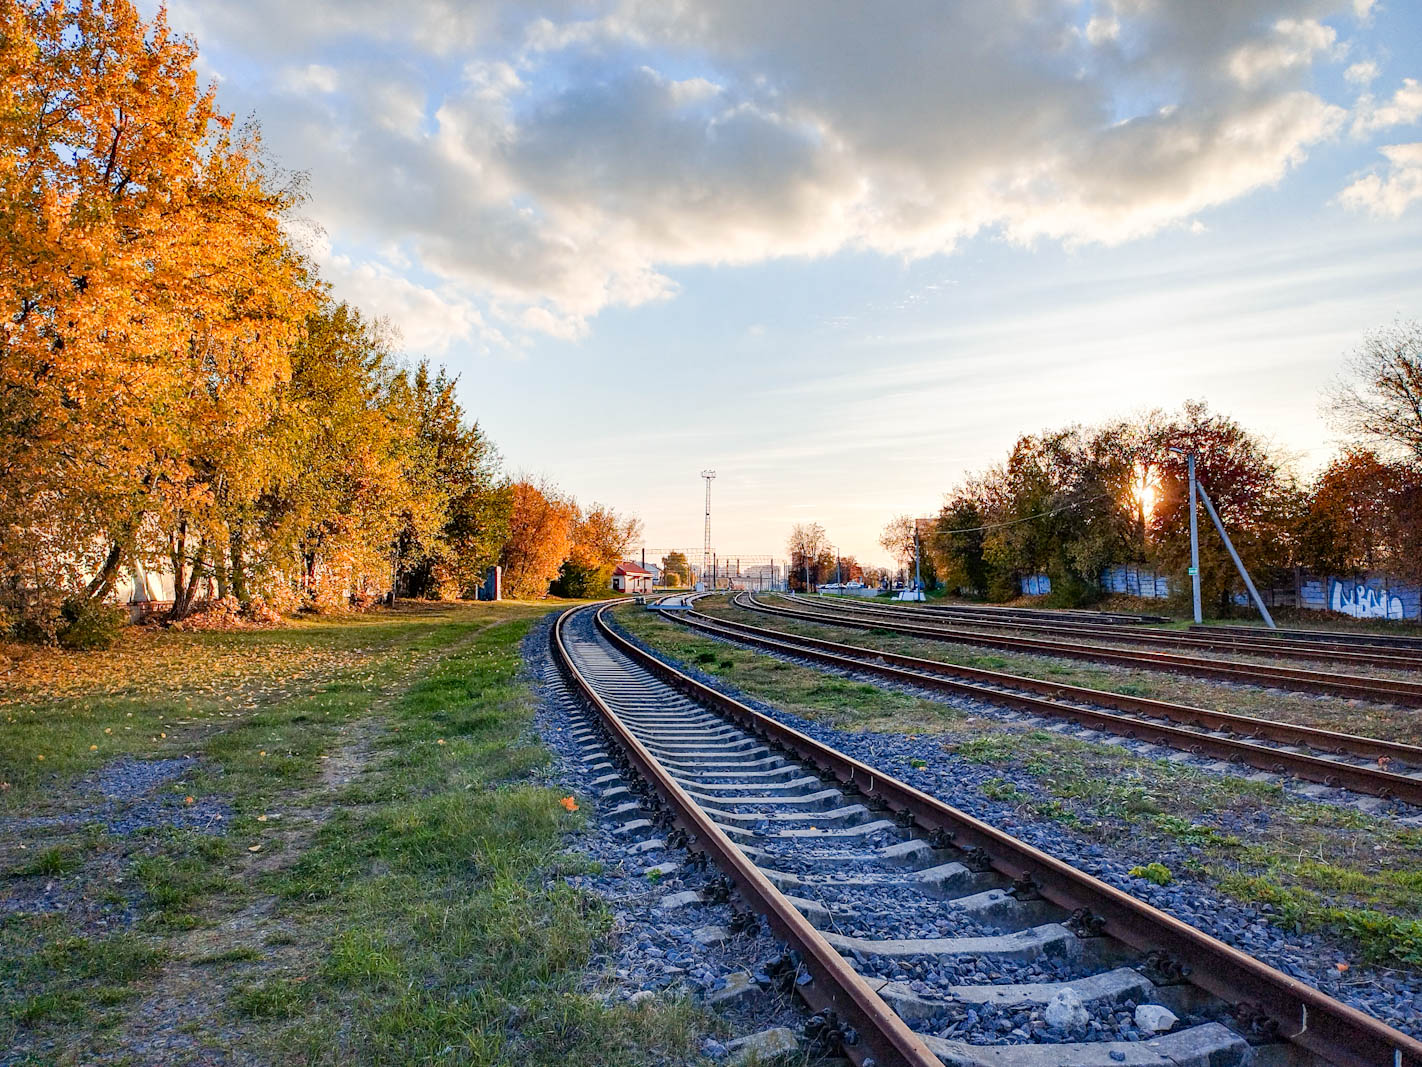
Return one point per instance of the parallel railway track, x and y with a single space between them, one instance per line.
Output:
1075 626
1324 756
1358 687
1341 638
748 793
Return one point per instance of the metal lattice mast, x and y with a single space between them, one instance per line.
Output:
706 547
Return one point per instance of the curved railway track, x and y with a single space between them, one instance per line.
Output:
1356 687
810 837
1388 769
1344 653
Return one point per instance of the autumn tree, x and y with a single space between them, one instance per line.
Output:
600 539
1363 513
1381 399
807 547
676 571
456 518
1255 497
149 293
177 389
899 539
540 537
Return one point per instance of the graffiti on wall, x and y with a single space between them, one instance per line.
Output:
1362 602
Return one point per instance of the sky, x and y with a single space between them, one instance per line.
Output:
844 253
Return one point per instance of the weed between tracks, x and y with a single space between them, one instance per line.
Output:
355 865
1321 867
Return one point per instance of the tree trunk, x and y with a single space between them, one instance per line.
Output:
102 583
184 594
236 543
178 553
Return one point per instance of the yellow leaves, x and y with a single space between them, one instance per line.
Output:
261 818
254 848
40 756
93 748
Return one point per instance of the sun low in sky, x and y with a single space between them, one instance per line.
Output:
845 253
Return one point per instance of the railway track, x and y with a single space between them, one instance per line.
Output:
848 864
1387 769
1356 687
1337 637
1344 653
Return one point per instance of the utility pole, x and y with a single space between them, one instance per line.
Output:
706 545
917 551
1194 532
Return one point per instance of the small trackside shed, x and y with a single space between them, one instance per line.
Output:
631 578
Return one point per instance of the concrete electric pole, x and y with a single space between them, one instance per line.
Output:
706 547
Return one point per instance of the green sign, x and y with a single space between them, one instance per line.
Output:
1194 571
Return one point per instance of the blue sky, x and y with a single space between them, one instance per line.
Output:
845 253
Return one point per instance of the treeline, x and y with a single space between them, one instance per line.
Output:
1071 503
814 562
179 391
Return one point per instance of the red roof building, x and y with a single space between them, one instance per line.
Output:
629 577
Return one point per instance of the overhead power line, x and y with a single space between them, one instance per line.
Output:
1029 518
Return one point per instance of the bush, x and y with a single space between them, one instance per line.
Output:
577 581
89 624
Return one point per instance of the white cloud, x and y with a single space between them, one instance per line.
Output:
1389 195
1103 28
312 78
1291 47
1403 109
543 167
1362 73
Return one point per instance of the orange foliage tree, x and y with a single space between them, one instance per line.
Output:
540 538
148 291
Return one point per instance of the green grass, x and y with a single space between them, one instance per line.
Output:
407 909
53 977
452 945
182 868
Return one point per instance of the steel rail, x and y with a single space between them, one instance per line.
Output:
936 675
1347 638
836 985
1395 659
1358 687
1305 1016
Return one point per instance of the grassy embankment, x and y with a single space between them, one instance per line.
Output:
382 886
1325 868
